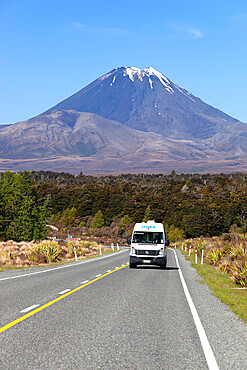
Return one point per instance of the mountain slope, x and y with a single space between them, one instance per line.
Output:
64 133
148 101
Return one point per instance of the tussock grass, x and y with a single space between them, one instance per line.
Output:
15 267
227 253
223 288
15 255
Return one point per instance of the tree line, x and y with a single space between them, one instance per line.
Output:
197 204
189 204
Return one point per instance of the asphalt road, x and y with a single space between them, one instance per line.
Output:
124 318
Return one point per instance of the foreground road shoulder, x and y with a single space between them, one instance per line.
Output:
226 333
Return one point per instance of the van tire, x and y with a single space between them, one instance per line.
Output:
163 266
132 265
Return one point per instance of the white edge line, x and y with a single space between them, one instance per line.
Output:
84 282
64 291
108 271
30 308
212 364
98 275
62 267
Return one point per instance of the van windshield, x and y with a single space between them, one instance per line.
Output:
148 237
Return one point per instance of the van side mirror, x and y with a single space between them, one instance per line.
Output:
167 243
128 241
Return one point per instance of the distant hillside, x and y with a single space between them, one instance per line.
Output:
5 125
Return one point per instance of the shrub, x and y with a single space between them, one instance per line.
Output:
239 270
71 246
200 245
238 251
213 256
226 249
35 255
50 250
235 229
86 244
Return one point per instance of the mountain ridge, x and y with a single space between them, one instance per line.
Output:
128 119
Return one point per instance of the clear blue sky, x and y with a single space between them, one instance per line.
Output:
49 49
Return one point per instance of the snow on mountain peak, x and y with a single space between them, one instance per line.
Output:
131 72
152 74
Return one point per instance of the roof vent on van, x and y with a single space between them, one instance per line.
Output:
150 222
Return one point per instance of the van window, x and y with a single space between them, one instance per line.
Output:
148 237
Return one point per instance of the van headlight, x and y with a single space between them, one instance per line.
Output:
161 251
133 251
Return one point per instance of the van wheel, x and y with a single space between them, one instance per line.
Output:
163 266
132 265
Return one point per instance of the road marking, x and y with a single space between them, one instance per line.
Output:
84 282
116 267
98 275
64 291
108 271
29 308
212 364
62 267
29 314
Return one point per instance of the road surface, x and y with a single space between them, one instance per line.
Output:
99 314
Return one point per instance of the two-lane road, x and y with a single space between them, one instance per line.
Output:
101 314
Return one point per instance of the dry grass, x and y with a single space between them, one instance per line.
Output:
227 254
24 254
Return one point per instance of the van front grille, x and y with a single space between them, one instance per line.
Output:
147 252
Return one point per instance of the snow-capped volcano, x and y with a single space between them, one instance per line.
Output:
146 100
128 120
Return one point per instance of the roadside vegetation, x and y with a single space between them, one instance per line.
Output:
224 267
24 254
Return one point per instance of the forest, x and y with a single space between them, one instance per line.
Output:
194 204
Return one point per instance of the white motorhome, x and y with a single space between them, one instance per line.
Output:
148 245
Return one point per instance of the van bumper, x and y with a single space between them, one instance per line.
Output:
148 260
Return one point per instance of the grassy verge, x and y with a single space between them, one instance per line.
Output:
15 267
223 288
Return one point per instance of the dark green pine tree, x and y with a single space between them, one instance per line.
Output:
23 216
2 217
98 221
147 215
6 196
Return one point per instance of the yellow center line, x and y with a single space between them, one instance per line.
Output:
31 313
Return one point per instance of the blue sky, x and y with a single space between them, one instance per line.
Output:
49 49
